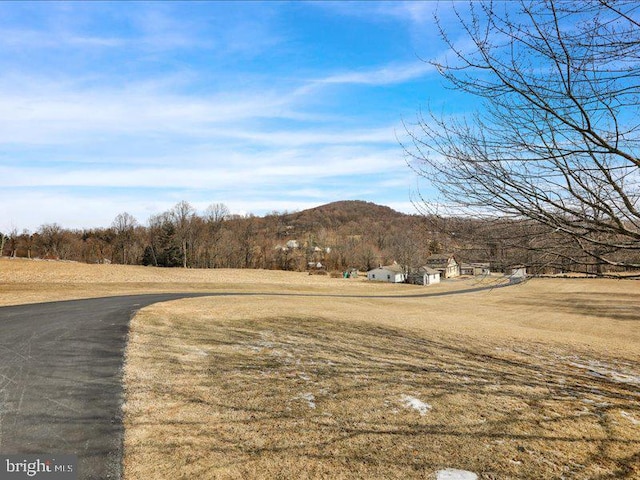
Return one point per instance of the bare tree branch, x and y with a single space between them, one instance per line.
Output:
555 138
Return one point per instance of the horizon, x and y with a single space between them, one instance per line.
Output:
201 213
259 106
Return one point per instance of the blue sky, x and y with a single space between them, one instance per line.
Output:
114 107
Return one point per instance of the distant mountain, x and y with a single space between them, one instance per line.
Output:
337 214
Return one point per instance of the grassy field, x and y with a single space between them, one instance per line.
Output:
539 380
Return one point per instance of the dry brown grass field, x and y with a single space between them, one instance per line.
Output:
536 381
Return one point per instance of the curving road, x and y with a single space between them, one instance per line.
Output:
61 376
60 379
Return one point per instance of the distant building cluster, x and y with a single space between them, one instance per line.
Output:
436 267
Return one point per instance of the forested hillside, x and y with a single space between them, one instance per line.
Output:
340 235
337 236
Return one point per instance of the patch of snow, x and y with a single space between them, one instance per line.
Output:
585 411
309 398
455 474
416 404
630 417
624 378
601 370
197 352
597 404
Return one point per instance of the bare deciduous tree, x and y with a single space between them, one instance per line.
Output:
556 133
124 226
215 215
13 242
51 240
182 216
28 241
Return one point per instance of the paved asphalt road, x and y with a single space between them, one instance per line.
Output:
61 376
60 379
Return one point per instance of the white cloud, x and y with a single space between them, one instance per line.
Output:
247 170
64 111
81 196
56 39
293 138
386 75
236 148
58 114
418 13
384 11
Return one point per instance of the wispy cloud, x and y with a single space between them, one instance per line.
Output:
386 75
13 37
419 13
249 170
67 112
72 111
384 11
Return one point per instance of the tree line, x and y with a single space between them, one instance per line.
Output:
215 238
336 237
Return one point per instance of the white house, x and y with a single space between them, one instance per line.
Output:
446 264
425 276
390 273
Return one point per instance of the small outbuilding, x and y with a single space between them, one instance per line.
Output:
518 274
390 273
475 269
